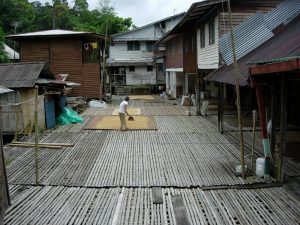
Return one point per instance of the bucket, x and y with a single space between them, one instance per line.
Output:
260 167
201 95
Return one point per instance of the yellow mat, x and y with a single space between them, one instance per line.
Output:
113 123
131 111
141 97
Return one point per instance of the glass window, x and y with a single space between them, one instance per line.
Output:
149 68
202 37
90 52
150 46
160 67
133 46
211 27
131 68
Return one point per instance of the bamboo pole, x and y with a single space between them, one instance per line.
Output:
253 136
3 161
236 77
36 137
45 143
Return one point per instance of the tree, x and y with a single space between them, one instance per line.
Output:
3 55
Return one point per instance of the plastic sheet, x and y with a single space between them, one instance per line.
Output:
97 104
68 116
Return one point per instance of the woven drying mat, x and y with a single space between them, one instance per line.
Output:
113 123
131 111
141 97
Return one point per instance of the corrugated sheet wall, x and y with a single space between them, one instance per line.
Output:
257 30
282 14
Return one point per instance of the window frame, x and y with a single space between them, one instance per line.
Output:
133 46
131 68
211 32
202 36
148 68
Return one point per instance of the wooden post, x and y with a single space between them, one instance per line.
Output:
3 161
237 86
253 137
283 119
36 119
274 122
221 108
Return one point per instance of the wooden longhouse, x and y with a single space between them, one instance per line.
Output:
192 46
78 54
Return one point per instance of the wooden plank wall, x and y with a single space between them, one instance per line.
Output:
240 13
174 53
190 51
65 57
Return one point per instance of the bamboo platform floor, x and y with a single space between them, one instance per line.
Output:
108 176
184 152
134 206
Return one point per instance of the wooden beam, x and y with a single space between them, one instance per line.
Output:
45 143
283 120
287 66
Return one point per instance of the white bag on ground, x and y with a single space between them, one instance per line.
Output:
204 108
97 104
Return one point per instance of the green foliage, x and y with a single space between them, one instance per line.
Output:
3 56
21 16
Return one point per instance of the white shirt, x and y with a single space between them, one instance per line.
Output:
123 107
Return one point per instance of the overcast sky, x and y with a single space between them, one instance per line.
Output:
143 12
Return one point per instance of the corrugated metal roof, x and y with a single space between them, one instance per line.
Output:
284 44
131 62
52 33
248 36
150 24
12 54
282 14
20 75
277 60
57 82
4 90
257 30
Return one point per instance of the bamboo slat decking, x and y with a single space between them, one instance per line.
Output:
184 155
107 176
59 205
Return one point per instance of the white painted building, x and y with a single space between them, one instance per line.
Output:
133 57
208 52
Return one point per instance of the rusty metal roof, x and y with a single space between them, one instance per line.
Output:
23 75
285 43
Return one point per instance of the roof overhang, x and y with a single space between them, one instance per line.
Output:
4 90
289 66
133 62
57 34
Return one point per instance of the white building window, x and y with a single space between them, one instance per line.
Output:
202 37
131 68
149 68
133 46
211 29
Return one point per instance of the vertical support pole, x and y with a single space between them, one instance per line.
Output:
221 108
283 120
3 160
274 122
263 124
253 137
237 87
198 94
36 119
